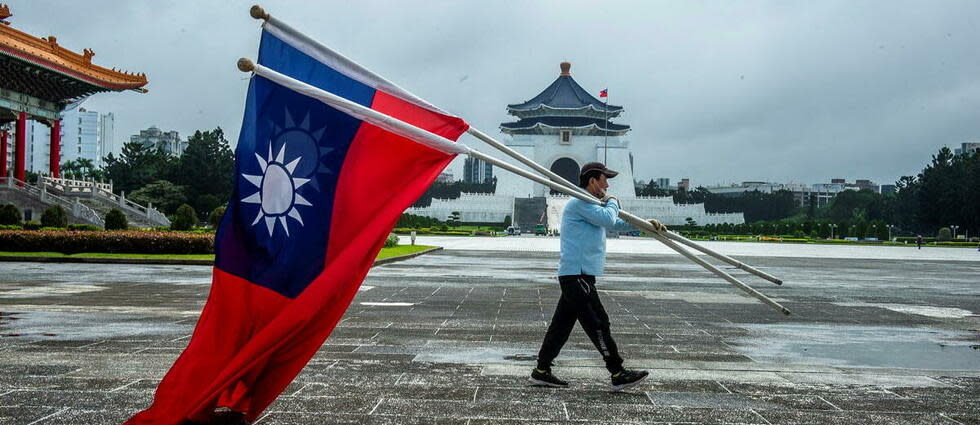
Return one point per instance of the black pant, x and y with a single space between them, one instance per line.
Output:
579 301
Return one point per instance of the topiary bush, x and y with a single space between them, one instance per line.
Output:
184 219
214 219
115 219
83 227
54 216
32 225
391 241
945 234
9 214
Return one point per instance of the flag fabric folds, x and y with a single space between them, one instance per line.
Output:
317 190
604 93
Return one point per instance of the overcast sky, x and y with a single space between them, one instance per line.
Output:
718 92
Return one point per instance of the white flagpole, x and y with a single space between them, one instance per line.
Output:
605 133
366 76
438 142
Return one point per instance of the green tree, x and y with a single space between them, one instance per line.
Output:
138 166
116 220
416 221
81 168
54 216
206 170
945 234
184 219
9 214
946 192
214 219
164 195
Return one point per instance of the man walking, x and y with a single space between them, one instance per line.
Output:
583 257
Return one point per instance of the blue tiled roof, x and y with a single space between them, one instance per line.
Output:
572 122
564 93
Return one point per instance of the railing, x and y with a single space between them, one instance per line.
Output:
69 186
104 191
78 210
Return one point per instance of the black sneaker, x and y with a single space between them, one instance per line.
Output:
544 378
627 378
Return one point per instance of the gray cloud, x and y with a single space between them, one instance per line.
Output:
715 91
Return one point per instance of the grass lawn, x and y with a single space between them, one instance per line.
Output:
385 253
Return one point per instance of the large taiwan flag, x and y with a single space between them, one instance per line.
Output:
316 193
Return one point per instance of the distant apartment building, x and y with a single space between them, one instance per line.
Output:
887 189
821 192
168 141
445 177
663 183
475 170
684 185
967 147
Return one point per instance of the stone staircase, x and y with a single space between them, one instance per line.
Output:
99 197
28 197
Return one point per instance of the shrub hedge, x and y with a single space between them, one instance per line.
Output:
54 216
129 242
115 219
391 241
9 214
184 219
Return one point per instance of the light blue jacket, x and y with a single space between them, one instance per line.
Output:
583 236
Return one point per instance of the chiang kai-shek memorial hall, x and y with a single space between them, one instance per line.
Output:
563 128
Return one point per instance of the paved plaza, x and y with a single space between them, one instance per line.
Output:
877 337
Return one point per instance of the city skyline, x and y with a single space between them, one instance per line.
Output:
781 92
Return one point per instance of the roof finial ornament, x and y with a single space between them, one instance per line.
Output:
5 13
565 68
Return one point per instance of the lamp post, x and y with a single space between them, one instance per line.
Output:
954 227
889 231
832 227
874 231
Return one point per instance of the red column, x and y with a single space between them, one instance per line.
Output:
20 147
3 153
54 164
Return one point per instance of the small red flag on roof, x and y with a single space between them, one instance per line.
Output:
604 93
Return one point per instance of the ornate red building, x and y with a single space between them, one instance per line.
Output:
38 79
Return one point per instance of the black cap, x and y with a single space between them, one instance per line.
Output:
591 170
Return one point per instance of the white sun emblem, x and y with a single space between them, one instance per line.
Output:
277 191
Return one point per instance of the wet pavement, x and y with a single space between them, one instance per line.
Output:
449 338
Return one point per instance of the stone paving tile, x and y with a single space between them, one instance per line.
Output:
661 414
480 409
290 418
854 418
709 400
16 415
965 419
87 417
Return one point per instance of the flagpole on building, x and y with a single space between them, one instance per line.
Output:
438 142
